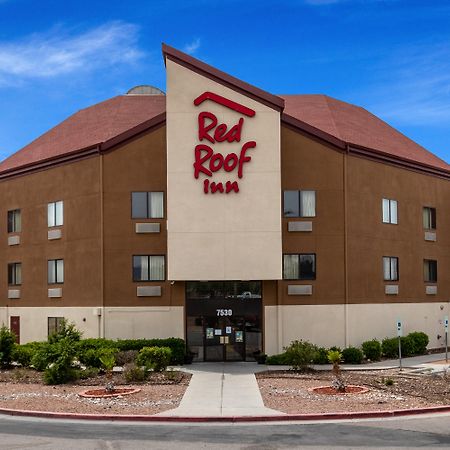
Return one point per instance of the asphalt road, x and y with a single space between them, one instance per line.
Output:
427 433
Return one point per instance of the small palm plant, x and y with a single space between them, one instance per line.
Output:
108 359
335 357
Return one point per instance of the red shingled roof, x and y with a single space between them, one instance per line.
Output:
88 128
106 120
357 126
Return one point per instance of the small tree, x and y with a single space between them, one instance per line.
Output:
335 358
7 343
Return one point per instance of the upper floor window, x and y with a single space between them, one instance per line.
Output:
389 211
430 270
147 205
429 218
299 267
15 274
390 268
55 271
55 214
299 203
148 268
14 221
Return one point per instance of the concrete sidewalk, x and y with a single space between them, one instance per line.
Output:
222 390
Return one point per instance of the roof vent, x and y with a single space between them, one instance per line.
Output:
145 89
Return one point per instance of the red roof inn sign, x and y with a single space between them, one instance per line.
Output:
207 160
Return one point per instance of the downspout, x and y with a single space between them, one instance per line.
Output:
346 342
101 319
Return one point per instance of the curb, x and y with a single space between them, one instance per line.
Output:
230 419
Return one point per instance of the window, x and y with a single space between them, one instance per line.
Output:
389 211
147 205
429 218
55 271
299 267
430 271
299 203
15 274
54 325
148 268
55 214
14 221
390 268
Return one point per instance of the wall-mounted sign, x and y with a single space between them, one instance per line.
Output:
239 336
228 330
210 333
211 155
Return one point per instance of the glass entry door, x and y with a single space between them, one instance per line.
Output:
224 338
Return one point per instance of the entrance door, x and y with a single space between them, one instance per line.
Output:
224 338
14 325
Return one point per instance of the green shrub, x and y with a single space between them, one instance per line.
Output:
7 343
419 342
300 354
335 349
126 357
22 354
407 346
372 349
321 356
60 370
389 347
352 355
94 344
66 330
133 373
92 356
107 357
154 358
89 372
277 360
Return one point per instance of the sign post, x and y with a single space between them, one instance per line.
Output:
446 337
399 334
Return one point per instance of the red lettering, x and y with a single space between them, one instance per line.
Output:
212 164
235 131
233 158
199 160
231 186
220 133
216 187
205 186
203 128
243 158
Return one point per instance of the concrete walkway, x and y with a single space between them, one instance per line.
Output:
222 390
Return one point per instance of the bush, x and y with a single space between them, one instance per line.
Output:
154 358
389 347
407 346
22 354
92 356
107 357
352 355
419 342
126 357
321 356
300 354
7 343
66 330
133 373
372 349
277 360
87 373
61 370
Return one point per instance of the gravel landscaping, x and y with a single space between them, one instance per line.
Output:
289 391
24 389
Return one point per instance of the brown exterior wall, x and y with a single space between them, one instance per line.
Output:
369 239
77 184
309 165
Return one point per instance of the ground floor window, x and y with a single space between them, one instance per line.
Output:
54 325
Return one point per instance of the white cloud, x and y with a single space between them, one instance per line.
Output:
192 47
58 53
414 86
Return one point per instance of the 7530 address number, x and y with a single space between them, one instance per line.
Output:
224 312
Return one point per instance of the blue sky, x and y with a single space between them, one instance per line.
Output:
389 56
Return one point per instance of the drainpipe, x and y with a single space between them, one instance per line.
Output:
345 246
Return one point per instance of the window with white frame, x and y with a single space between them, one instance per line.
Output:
55 214
148 268
299 203
15 274
429 218
147 205
55 271
299 266
430 270
14 221
390 268
54 325
389 211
